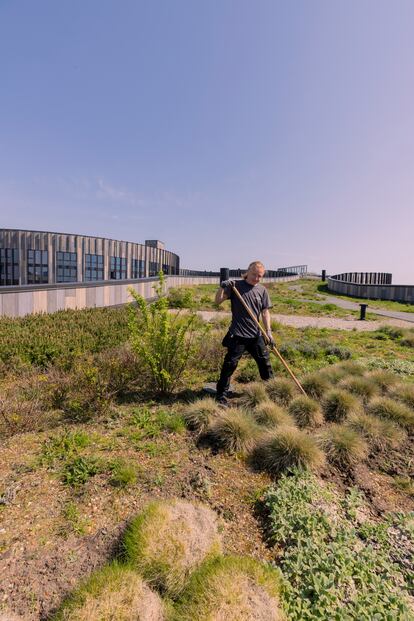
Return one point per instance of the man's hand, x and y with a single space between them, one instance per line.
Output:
270 340
227 283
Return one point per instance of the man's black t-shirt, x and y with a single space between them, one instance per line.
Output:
256 298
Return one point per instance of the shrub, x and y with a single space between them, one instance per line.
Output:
408 340
362 387
120 370
199 414
343 446
286 448
181 297
169 540
233 430
385 380
232 588
270 414
391 332
380 433
315 385
114 592
339 404
343 353
306 412
404 393
162 341
254 393
387 408
280 390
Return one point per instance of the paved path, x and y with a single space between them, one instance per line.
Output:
333 323
376 311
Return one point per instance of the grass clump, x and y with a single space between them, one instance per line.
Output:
233 430
339 404
114 592
330 570
169 540
280 390
286 448
343 446
199 414
404 393
380 433
397 412
315 385
269 414
385 380
254 393
362 387
123 473
232 588
306 412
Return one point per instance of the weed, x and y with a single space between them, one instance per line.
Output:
63 446
75 522
123 473
78 470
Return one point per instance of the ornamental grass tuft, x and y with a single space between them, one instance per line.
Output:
280 390
380 433
114 592
286 448
306 412
385 380
253 394
405 393
170 539
339 404
233 430
393 410
269 414
362 387
199 414
343 446
315 385
232 589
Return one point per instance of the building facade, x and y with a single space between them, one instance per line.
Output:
42 257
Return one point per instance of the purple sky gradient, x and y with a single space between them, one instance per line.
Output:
231 130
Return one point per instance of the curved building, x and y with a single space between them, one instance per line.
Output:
42 257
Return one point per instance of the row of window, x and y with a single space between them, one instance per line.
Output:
67 269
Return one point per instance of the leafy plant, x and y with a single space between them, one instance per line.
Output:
163 341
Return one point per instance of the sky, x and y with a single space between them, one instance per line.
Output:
232 130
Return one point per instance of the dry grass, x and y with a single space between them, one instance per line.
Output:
393 410
404 393
315 385
385 380
170 539
339 404
254 393
115 592
269 414
306 412
351 367
343 446
199 414
284 448
362 387
281 390
380 433
232 589
233 430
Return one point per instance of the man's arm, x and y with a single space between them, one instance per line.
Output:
266 319
221 295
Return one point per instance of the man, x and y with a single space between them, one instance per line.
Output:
243 334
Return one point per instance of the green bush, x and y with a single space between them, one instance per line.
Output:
163 342
181 297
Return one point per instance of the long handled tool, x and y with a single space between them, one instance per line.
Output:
273 348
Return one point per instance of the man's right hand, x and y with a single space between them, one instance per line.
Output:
227 283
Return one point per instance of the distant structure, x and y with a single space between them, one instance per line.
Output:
371 286
42 257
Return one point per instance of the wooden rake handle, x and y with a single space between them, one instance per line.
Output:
273 348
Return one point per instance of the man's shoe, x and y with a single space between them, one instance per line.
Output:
222 401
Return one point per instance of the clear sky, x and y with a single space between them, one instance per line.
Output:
230 129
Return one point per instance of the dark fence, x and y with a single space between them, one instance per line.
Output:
297 270
365 278
371 286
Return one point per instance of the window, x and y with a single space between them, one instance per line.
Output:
66 267
118 268
154 268
166 269
94 267
9 266
138 268
37 267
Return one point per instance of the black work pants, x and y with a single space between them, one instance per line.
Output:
236 346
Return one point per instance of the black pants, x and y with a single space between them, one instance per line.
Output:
236 346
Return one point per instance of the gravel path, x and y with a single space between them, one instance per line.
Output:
334 323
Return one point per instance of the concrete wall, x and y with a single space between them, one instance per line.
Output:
20 301
397 293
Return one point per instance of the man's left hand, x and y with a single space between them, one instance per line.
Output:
270 340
